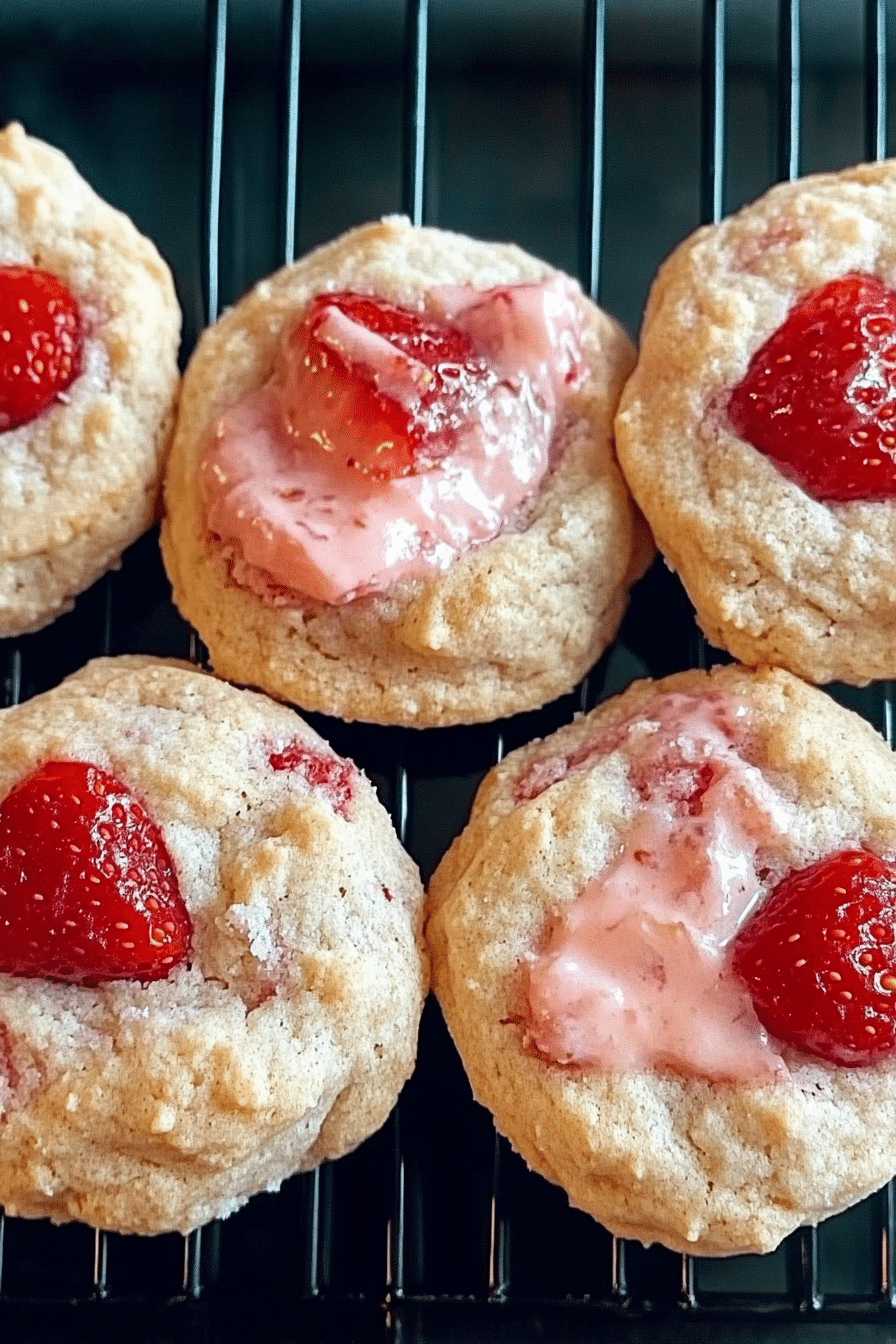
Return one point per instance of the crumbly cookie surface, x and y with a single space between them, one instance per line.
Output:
146 1108
507 626
712 1168
80 482
776 577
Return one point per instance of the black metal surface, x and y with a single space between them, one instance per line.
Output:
789 104
875 79
591 207
238 136
216 30
291 47
712 183
416 73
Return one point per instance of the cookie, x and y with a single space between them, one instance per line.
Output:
755 431
599 936
80 466
243 1002
465 548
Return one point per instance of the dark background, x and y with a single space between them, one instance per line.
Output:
432 1230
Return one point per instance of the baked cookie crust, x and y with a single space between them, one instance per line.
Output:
507 626
147 1108
80 482
710 1168
775 576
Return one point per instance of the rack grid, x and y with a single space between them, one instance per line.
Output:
434 1228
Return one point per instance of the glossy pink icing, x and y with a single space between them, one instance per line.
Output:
635 974
294 520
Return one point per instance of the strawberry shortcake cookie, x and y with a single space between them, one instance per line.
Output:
210 978
393 493
758 432
665 946
89 334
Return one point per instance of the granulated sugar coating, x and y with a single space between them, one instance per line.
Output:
697 1131
505 626
287 1035
80 481
783 566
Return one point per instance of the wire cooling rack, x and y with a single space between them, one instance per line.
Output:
433 1229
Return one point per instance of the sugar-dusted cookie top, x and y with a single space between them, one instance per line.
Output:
468 554
665 946
79 475
756 430
212 971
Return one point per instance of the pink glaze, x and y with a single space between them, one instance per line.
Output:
295 520
635 974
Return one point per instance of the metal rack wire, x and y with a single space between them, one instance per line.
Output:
435 1224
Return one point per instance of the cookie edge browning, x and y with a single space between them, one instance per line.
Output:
153 1197
56 554
393 658
569 1124
715 300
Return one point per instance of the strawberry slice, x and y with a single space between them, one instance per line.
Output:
329 775
88 891
819 398
40 342
819 959
383 388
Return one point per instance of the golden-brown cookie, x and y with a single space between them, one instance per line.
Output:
507 624
583 929
782 568
79 481
285 1029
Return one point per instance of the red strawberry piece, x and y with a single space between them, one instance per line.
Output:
545 771
40 342
330 775
87 889
682 783
819 959
819 398
389 406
